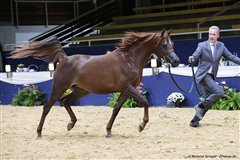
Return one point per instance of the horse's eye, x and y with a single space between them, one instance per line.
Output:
164 46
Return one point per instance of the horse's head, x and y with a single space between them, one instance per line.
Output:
166 50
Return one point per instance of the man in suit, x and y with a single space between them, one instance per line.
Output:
209 53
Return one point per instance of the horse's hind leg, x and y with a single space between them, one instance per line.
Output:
122 98
46 108
56 93
67 101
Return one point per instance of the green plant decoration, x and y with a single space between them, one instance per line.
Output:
20 65
130 102
29 96
230 100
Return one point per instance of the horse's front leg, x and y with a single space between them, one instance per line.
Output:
121 99
132 92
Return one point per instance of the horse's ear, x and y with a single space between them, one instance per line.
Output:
169 31
163 31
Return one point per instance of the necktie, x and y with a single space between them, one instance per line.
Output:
214 50
213 55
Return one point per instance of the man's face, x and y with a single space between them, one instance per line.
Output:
213 35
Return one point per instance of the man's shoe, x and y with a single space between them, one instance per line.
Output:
199 111
194 124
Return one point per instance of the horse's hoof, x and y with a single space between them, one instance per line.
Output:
39 136
109 135
140 128
69 126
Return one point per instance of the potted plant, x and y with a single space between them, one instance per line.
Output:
175 98
29 96
230 100
130 102
20 67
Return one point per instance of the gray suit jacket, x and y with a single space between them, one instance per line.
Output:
203 53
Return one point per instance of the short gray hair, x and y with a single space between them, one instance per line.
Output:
215 28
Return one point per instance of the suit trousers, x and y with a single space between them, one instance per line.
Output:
213 92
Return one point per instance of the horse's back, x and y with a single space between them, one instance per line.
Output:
104 60
93 73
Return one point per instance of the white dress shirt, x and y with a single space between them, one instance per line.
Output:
213 46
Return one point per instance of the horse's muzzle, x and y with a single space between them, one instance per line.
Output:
173 59
175 63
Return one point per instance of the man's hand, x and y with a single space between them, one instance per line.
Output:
191 59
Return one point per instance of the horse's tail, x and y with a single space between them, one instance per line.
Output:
48 50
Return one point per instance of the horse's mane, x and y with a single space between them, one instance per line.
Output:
49 50
134 37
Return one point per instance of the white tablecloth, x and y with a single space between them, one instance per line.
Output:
225 71
26 77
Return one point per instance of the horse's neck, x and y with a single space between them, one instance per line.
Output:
139 56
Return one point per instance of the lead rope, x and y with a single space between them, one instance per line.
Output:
193 81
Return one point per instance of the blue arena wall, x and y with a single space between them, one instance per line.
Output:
159 87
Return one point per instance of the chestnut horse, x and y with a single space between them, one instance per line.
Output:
117 71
